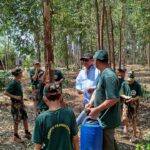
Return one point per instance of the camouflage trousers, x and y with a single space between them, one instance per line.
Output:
18 112
130 110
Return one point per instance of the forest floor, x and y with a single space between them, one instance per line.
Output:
75 101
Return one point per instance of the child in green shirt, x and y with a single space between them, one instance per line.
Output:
55 128
14 91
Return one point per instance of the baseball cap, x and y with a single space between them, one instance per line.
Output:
51 91
101 55
87 56
130 76
36 62
122 69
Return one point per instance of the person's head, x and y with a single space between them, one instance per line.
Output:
131 76
101 59
121 72
51 93
87 60
17 73
36 64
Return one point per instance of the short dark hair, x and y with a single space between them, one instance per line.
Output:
103 61
15 72
52 93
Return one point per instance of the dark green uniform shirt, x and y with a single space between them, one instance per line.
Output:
32 72
41 103
55 129
15 88
108 88
133 89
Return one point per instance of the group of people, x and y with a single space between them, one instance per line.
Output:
109 96
106 96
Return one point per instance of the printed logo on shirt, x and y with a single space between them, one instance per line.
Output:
61 125
133 93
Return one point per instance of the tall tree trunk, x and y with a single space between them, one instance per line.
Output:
37 40
112 38
48 39
120 41
148 47
98 23
108 36
102 27
81 47
66 53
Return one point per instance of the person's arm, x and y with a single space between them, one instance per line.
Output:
37 147
133 99
125 96
94 112
12 96
34 77
76 142
43 78
91 102
79 83
112 96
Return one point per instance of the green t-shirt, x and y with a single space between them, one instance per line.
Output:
133 89
58 75
55 129
32 72
15 88
41 104
108 88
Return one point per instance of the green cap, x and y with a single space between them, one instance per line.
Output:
101 55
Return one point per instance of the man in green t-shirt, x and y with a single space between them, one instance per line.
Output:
14 91
106 102
131 92
56 128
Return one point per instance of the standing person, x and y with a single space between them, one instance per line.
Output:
106 102
34 76
56 128
14 91
121 72
131 92
121 75
87 78
59 78
41 106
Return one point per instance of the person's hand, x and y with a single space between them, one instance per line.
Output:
79 92
130 100
127 97
17 97
90 90
94 113
37 68
88 106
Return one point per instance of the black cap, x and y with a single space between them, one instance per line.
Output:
122 69
87 56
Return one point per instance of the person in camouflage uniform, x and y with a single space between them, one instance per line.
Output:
34 76
14 91
131 92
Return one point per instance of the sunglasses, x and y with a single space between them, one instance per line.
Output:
85 60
